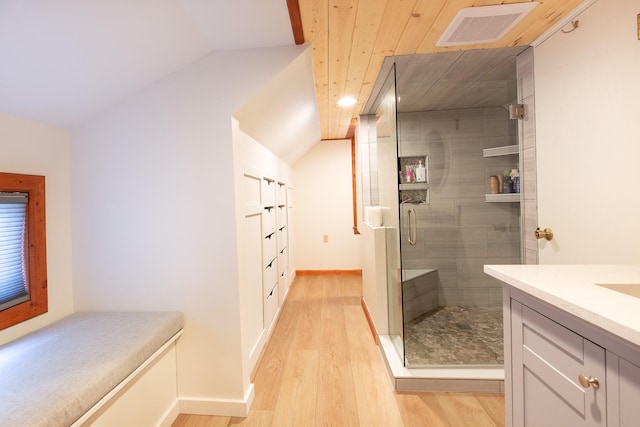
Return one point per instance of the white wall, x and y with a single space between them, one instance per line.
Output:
587 133
324 205
34 148
154 214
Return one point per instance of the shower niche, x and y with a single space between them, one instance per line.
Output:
413 178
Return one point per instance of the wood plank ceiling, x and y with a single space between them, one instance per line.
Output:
351 38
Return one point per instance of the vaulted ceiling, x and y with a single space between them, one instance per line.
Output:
351 39
64 61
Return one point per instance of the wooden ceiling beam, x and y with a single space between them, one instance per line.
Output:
296 21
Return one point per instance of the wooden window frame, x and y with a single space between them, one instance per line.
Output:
36 248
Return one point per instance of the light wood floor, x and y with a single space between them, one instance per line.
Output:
322 368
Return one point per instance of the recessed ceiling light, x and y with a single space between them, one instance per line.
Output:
347 101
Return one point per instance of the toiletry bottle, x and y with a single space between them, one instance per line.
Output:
515 178
507 183
409 174
421 172
493 184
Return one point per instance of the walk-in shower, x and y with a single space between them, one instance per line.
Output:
449 114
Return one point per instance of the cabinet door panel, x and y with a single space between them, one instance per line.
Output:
270 276
283 286
555 380
282 238
270 306
552 358
268 192
251 267
283 260
629 392
544 407
281 214
268 221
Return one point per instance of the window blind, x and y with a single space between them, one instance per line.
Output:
13 278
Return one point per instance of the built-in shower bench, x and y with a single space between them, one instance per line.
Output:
94 368
419 293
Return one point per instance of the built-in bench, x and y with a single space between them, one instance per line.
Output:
98 368
419 293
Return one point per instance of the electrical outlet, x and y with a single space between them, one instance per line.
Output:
325 238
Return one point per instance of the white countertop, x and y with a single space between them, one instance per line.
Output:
573 288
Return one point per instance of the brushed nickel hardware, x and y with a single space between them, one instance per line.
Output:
516 111
411 213
574 25
589 381
547 233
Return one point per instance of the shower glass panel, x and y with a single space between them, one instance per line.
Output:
438 129
449 111
386 141
382 169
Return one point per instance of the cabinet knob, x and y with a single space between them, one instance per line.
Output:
587 381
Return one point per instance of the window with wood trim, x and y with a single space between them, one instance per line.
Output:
23 259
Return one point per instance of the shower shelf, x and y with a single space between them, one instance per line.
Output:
502 198
501 151
414 186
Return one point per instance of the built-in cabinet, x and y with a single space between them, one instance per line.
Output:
282 240
264 255
269 251
561 371
275 255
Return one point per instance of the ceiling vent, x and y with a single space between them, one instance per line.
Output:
484 24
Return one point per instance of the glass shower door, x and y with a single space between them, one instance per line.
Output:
385 109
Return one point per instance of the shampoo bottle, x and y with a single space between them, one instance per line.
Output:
515 178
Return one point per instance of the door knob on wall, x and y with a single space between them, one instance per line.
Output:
544 234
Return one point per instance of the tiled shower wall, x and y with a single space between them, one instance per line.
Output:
458 232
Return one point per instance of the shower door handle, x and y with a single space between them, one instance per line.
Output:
411 213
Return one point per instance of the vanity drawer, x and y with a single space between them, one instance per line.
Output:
283 259
270 276
270 305
268 192
282 238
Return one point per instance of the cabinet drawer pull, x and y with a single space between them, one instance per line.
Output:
586 381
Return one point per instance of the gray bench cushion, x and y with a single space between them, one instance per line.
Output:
54 375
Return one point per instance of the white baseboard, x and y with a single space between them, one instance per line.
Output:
220 407
171 415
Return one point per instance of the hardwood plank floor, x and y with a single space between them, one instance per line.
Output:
322 368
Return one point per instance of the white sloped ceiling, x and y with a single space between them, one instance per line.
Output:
64 61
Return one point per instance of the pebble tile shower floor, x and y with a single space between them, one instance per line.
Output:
455 336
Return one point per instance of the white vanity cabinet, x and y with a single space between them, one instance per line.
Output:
623 395
562 371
